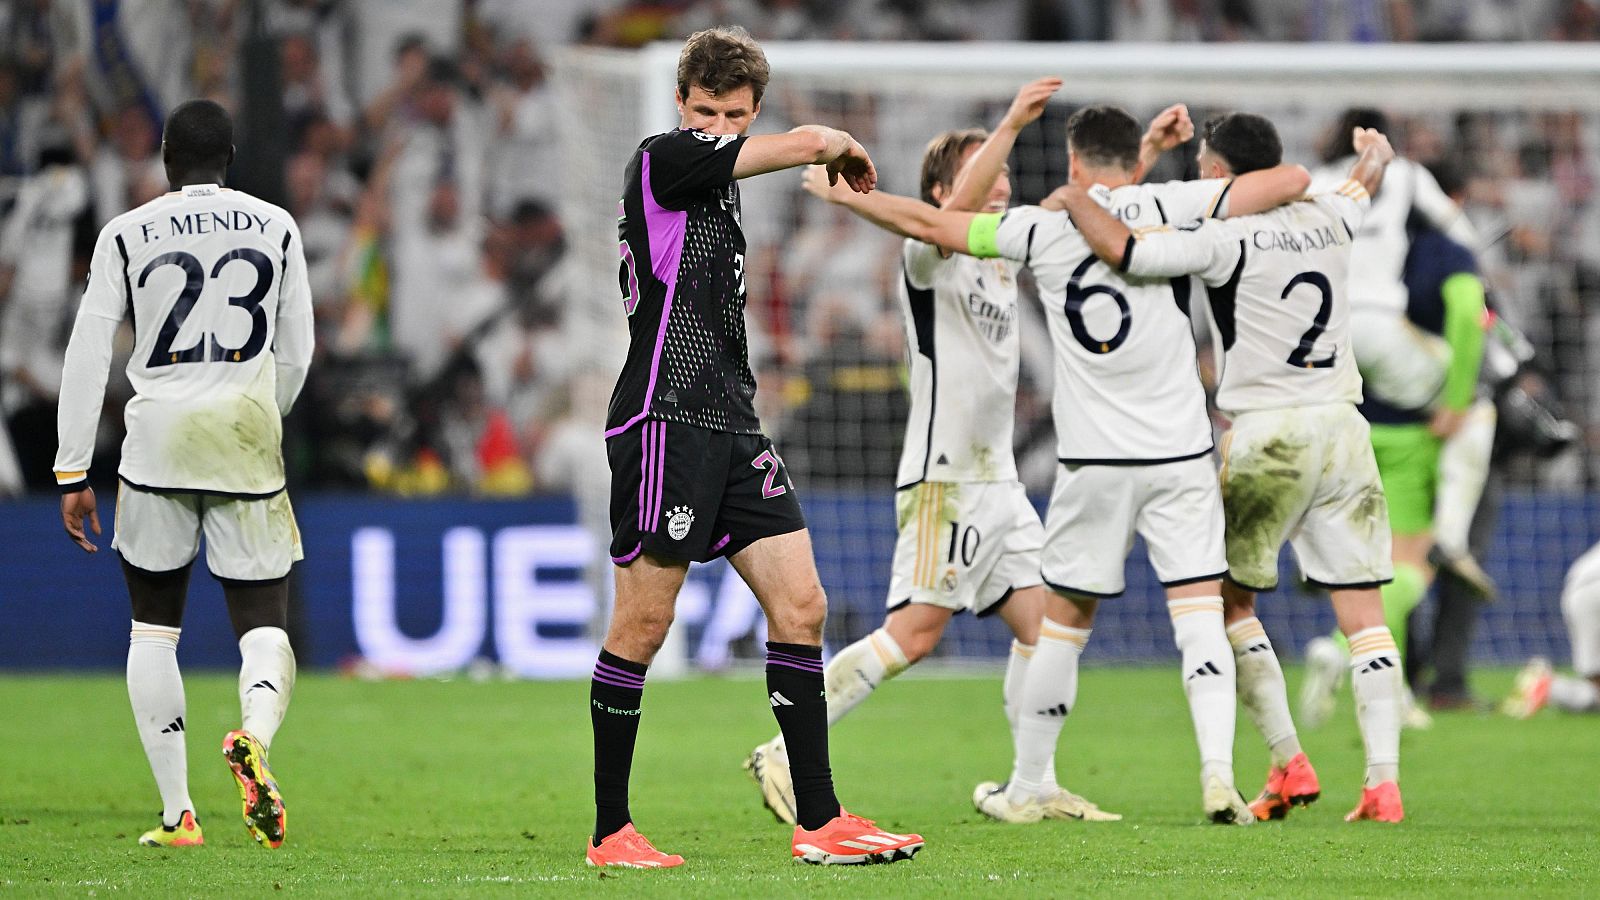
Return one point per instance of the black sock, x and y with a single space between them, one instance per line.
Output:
800 704
614 697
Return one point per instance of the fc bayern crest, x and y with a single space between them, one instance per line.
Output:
679 520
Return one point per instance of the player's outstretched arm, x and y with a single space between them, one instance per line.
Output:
972 185
1162 252
1373 157
1171 127
1105 234
842 155
1262 190
901 215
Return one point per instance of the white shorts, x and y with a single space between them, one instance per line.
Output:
1400 364
246 540
1095 510
1305 475
964 545
1580 607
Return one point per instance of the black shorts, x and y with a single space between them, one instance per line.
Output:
694 494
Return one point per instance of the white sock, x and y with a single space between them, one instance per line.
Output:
266 679
1463 469
1016 673
1049 691
1210 680
1574 694
1262 689
155 690
1375 679
857 670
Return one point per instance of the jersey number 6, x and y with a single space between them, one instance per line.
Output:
162 353
1077 296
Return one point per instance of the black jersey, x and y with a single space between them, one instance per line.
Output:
682 280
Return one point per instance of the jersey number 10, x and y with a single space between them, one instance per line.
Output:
208 347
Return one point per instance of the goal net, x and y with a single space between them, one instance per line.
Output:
1522 121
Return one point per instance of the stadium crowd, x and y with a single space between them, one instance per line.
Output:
418 144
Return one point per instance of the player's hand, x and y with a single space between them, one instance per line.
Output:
1030 102
855 167
1063 197
1446 422
818 183
74 507
1171 127
1364 139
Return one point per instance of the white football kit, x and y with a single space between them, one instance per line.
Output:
214 281
1580 608
1401 364
1132 434
1297 464
968 536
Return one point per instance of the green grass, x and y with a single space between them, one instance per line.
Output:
453 788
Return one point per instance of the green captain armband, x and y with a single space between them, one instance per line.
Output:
983 235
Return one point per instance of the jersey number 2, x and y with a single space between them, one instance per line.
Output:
1301 357
162 353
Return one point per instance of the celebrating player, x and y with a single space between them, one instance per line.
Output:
1133 441
1538 684
1297 464
969 538
214 281
1419 386
692 476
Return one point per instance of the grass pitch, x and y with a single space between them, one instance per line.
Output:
451 788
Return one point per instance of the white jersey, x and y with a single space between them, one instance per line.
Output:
1279 294
961 336
215 283
1127 389
1382 241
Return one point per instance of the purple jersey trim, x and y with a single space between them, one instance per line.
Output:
666 230
624 560
717 547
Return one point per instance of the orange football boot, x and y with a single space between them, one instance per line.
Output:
629 849
1379 804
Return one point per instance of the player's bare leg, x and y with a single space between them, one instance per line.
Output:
155 690
1290 780
1210 683
647 589
782 573
259 611
1375 679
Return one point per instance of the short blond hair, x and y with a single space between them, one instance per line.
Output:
942 160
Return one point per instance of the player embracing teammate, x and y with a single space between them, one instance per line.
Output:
1133 438
1297 464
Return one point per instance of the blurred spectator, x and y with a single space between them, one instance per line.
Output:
36 276
423 148
527 143
127 171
